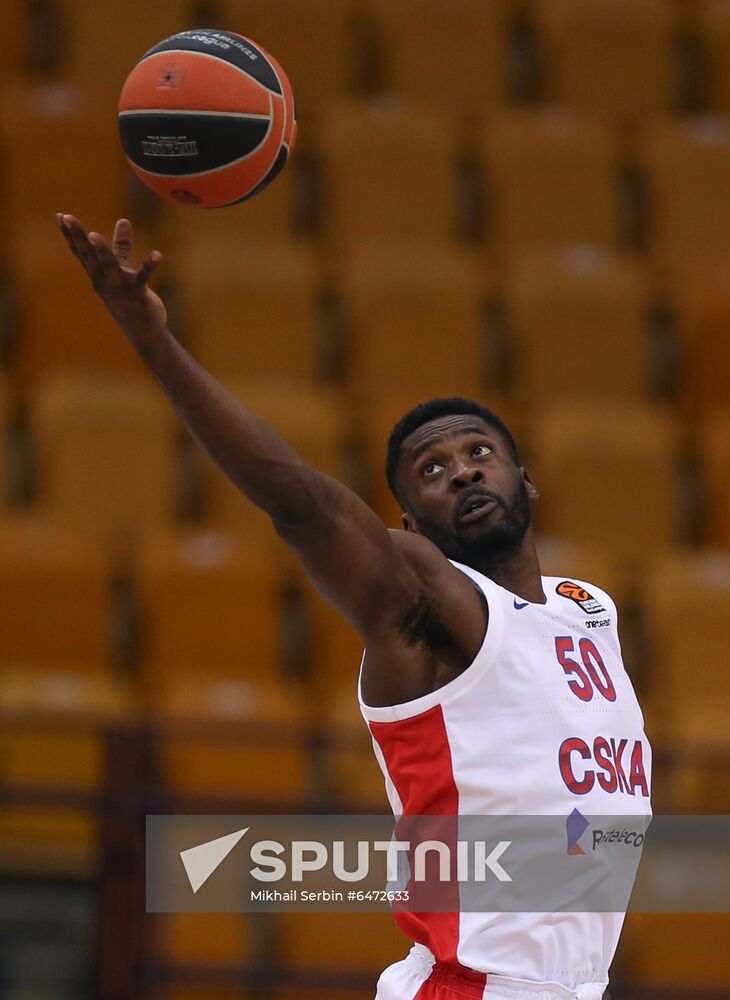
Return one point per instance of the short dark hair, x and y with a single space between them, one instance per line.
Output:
432 410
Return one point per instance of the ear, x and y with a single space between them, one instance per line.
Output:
409 523
532 491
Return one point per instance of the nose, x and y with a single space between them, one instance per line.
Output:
465 475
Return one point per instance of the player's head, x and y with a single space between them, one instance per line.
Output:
454 468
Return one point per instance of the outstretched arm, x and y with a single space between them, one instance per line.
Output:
361 568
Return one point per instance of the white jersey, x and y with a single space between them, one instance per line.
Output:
544 720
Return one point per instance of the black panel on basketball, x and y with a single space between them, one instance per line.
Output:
232 48
181 143
276 169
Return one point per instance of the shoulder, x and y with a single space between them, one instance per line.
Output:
435 638
411 543
429 562
421 553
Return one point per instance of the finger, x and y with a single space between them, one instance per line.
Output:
148 267
65 232
122 242
107 258
79 243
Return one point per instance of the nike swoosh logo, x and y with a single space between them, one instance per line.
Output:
519 605
201 861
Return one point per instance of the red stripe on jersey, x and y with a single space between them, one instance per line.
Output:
418 758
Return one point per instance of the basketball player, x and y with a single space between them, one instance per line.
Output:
488 688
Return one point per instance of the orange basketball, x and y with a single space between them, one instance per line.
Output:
207 118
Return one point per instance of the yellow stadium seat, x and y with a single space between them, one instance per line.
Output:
101 43
211 606
688 168
6 410
340 994
175 992
232 739
606 471
702 300
201 939
579 325
49 842
415 319
62 323
105 452
588 561
658 944
315 422
355 779
475 35
687 602
55 599
291 30
250 306
13 39
551 178
336 646
610 58
52 747
389 173
330 992
714 23
60 153
57 692
353 941
714 448
376 422
36 756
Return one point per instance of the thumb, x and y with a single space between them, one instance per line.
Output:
148 267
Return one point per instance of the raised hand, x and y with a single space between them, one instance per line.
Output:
138 310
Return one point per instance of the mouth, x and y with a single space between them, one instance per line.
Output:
475 508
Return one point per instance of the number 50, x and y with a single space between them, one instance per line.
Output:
591 675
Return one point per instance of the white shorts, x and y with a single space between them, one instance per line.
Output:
420 977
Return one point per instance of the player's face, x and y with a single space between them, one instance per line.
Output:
464 491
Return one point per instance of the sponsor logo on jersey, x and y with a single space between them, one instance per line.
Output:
575 826
580 596
599 623
611 764
519 605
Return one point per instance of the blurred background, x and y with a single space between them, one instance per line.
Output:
525 202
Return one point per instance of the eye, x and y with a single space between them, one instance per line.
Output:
431 468
481 449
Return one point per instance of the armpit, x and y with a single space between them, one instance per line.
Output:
422 625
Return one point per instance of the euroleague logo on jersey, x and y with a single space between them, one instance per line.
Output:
580 596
